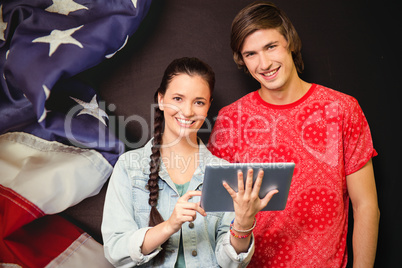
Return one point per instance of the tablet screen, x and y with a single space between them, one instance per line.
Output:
276 176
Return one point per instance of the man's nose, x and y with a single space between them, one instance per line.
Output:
265 62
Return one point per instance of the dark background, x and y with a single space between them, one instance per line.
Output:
351 46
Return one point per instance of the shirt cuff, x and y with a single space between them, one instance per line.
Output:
243 257
134 247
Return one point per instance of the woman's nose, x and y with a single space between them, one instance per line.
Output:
187 110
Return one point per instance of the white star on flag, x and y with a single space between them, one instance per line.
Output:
124 44
57 37
43 116
46 90
3 25
92 109
64 7
47 94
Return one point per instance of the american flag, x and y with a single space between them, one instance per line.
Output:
56 148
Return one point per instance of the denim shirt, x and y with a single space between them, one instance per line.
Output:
206 242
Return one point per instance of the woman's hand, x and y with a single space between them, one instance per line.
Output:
184 211
246 201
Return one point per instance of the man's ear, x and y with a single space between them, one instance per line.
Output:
160 102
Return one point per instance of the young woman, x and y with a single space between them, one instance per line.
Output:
152 216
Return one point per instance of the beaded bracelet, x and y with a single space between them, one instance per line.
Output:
243 231
240 236
249 231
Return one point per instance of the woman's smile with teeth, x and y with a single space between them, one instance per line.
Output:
184 121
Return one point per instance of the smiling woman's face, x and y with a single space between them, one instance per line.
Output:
185 106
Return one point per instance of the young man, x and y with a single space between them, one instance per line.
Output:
321 130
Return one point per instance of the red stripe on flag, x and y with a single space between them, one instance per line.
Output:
12 201
29 237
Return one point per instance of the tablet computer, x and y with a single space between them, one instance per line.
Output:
215 197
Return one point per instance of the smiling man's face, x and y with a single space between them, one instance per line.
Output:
268 59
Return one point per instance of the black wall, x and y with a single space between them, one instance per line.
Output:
351 46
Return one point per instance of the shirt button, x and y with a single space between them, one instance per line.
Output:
191 225
194 253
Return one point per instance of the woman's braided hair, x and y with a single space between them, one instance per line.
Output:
191 67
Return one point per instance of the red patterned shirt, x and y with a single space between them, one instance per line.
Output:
327 135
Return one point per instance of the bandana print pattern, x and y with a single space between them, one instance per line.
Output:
327 136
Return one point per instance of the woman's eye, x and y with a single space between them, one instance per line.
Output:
176 98
200 103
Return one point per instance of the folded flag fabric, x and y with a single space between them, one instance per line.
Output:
56 148
38 179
